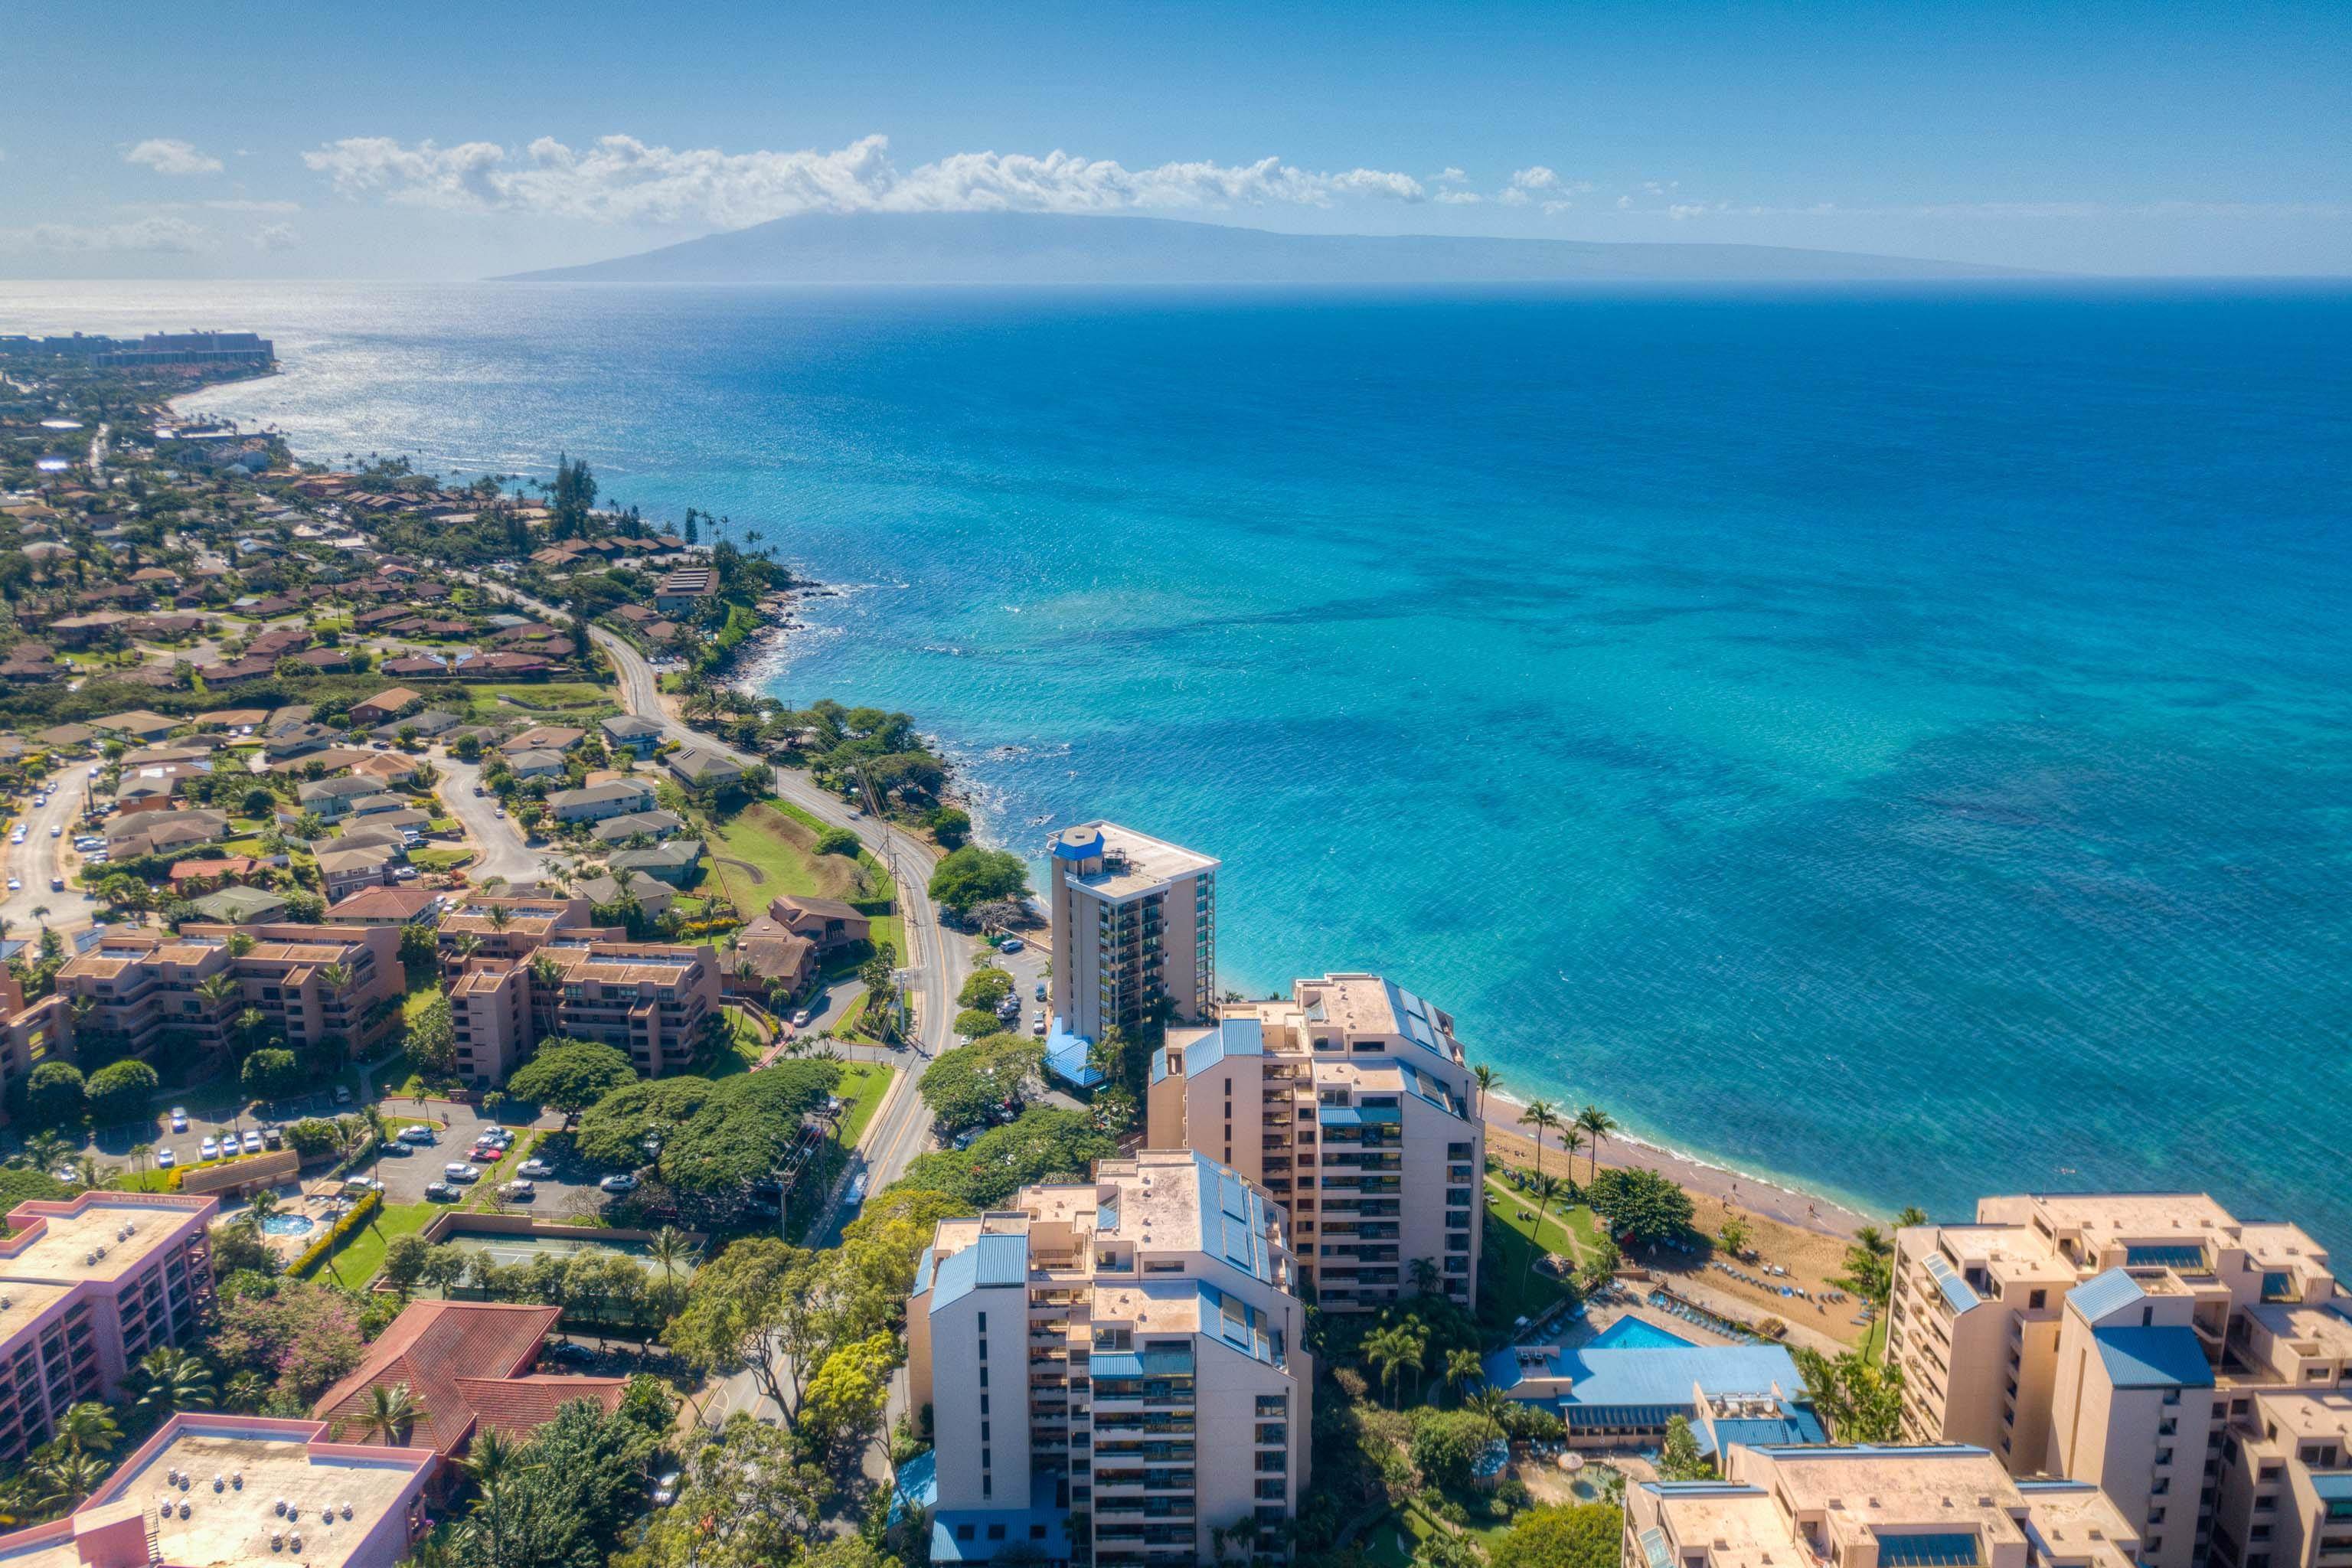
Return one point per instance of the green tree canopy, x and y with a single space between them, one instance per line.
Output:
120 1091
963 1086
1445 1443
1045 1141
1583 1536
270 1074
1640 1202
973 876
570 1076
55 1095
986 988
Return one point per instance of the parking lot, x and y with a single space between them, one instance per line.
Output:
407 1169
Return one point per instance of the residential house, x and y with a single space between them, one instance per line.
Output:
536 764
828 923
655 897
627 732
242 906
332 798
697 767
598 802
385 706
652 824
685 589
346 871
545 737
676 862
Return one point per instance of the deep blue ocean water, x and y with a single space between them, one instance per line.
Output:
1895 740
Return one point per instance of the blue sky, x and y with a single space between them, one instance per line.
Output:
428 140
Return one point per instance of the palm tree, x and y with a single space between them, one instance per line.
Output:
1544 1116
246 1392
87 1428
1425 1276
221 988
1545 1188
390 1412
265 1203
670 1250
176 1381
467 944
1462 1369
65 1479
1595 1124
140 1154
499 918
1386 1349
1486 1078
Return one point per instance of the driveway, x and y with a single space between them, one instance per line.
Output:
498 841
41 857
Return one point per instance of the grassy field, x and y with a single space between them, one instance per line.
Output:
362 1254
782 842
1521 1290
1874 1344
741 1051
553 696
863 1085
440 859
1574 1233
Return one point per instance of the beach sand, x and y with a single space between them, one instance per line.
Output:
1808 1237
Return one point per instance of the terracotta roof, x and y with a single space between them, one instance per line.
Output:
383 903
518 1406
437 1348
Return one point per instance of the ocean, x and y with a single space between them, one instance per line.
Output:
1893 741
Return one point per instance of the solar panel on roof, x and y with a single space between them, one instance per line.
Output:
1955 1549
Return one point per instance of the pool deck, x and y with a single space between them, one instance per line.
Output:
1601 1313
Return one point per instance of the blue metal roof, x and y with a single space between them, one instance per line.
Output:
917 1486
924 1263
1231 1037
1358 1115
1065 1057
1929 1549
1796 1424
980 1534
2157 1357
992 1260
1658 1376
2109 1293
1234 1323
1233 1220
1957 1290
1153 1360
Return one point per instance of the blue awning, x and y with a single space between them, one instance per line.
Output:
1358 1115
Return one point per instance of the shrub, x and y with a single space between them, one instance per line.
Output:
312 1137
121 1092
55 1095
838 841
316 1253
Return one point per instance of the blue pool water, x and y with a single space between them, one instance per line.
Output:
1895 739
286 1225
1636 1334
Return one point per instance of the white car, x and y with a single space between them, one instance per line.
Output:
179 1119
461 1172
57 829
414 1135
624 1183
209 1149
518 1190
800 1018
15 884
538 1168
165 1159
253 1142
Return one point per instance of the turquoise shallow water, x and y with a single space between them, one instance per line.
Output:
1895 740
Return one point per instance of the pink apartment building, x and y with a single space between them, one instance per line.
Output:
87 1288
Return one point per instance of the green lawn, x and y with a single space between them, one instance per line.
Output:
362 1254
439 860
1575 1233
553 696
779 840
741 1049
1874 1344
863 1084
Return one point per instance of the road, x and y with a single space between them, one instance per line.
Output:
498 840
41 857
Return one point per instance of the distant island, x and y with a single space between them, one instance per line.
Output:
1038 248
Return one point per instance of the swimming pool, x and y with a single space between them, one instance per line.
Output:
286 1225
1637 1334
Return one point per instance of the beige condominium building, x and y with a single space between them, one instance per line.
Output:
2136 1340
1949 1506
1115 1370
652 1001
1351 1103
1135 930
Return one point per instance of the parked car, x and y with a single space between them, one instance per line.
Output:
210 1147
252 1141
165 1159
538 1168
179 1119
621 1182
1039 1029
518 1191
1041 991
414 1135
666 1490
1011 944
57 884
459 1172
800 1017
564 1349
359 1186
57 829
272 1139
342 1094
440 1193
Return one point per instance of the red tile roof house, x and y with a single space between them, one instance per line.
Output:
468 1362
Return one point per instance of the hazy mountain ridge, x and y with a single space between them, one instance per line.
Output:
1038 248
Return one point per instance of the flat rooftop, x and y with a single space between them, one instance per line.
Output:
232 1528
60 1253
1148 863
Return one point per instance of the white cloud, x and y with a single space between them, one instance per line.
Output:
1681 210
241 205
276 237
170 155
1624 203
1459 198
619 179
1535 178
152 236
1450 176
